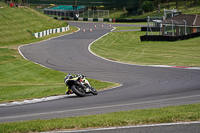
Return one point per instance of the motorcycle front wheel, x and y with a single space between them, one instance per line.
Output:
78 90
93 91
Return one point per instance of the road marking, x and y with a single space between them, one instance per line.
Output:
182 67
124 127
98 107
36 100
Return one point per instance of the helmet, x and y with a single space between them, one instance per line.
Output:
68 76
83 76
78 75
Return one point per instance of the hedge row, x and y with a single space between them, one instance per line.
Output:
168 38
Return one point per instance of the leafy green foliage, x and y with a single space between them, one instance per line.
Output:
147 6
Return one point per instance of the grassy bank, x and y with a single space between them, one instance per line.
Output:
126 47
123 118
21 79
18 24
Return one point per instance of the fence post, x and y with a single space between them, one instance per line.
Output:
147 25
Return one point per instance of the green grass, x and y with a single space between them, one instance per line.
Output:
21 79
122 118
126 28
18 24
126 47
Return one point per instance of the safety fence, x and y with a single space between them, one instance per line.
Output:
84 19
168 38
100 19
51 31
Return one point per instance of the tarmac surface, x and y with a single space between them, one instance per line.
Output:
142 86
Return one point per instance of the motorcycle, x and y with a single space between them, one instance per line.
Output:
79 85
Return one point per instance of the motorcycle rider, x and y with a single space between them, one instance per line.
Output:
69 76
68 91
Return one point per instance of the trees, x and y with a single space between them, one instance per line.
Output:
159 2
192 3
150 5
147 6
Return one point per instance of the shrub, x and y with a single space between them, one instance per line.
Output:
147 6
140 11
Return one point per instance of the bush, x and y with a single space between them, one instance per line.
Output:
147 6
140 11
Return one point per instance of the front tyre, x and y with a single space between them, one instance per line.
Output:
78 90
93 91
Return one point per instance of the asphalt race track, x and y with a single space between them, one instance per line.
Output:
142 86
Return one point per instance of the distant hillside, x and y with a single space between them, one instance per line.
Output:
17 24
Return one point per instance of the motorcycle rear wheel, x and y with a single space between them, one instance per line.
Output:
94 91
78 90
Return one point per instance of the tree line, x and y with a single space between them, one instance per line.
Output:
150 5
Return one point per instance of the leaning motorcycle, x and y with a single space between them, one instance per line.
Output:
79 85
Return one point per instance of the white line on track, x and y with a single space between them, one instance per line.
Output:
195 68
86 130
59 97
44 99
100 107
125 127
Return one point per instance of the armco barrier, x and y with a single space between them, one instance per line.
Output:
168 38
85 19
51 31
102 19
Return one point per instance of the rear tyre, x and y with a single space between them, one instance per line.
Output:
78 90
94 91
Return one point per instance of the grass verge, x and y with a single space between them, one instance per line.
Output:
122 118
126 47
126 28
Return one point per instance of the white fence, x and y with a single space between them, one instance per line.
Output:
51 31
